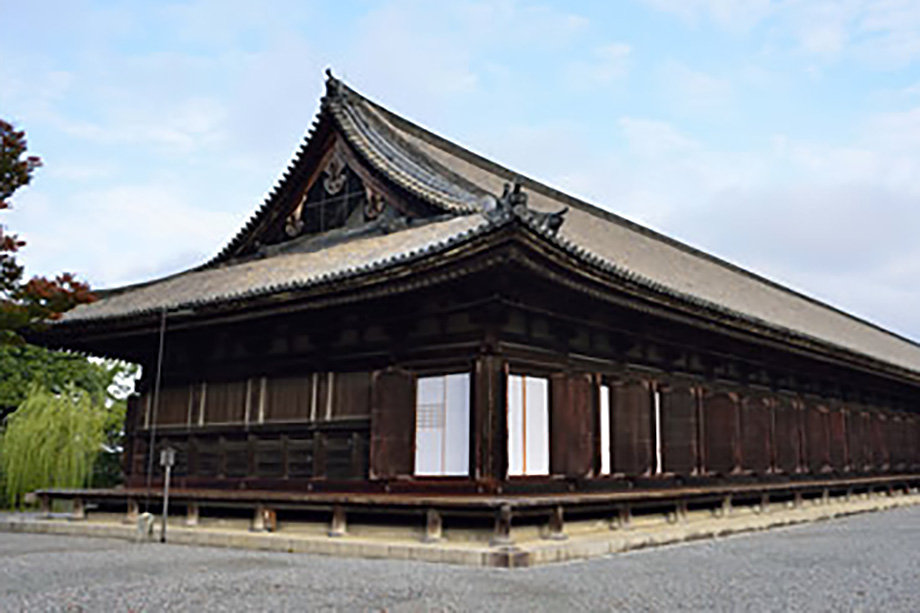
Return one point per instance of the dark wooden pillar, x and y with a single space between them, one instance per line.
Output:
134 415
489 432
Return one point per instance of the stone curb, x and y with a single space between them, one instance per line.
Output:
526 554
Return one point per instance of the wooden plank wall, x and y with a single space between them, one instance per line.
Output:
311 426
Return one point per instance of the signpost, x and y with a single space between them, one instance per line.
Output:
167 460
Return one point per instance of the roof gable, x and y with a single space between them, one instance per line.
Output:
349 148
408 166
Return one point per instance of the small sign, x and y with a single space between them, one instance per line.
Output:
168 457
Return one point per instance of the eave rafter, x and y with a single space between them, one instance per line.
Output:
511 235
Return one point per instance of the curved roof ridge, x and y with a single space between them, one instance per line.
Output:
490 166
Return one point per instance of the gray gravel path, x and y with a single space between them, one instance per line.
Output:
864 563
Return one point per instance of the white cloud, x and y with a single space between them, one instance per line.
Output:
735 15
687 88
881 32
119 234
608 63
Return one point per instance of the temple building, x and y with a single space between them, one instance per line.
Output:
404 325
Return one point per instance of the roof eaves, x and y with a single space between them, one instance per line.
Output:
592 259
380 265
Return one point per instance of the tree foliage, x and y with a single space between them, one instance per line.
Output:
26 305
103 384
52 440
22 366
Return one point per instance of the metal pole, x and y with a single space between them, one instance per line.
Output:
165 503
151 445
167 459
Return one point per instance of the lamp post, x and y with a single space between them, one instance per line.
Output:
167 459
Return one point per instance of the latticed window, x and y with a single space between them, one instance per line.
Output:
442 425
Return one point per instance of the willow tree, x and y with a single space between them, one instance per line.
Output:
52 440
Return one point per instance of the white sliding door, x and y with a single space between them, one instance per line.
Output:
528 426
605 430
442 426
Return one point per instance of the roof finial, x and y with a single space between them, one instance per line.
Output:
513 203
333 85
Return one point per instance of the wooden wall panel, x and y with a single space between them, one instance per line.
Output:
172 407
300 457
913 442
679 435
134 421
817 436
572 422
352 396
235 456
339 460
392 424
756 433
866 437
878 423
225 402
854 425
288 399
631 414
207 458
787 448
897 442
839 447
268 458
721 426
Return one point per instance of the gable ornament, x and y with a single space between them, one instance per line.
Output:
335 174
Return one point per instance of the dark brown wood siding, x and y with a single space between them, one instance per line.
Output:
225 402
679 435
631 427
721 427
288 398
817 436
172 406
787 451
756 433
855 438
392 424
878 424
839 452
352 395
572 421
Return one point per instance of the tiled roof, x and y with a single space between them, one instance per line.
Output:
460 182
665 264
282 272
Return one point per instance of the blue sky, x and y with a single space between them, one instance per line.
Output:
781 135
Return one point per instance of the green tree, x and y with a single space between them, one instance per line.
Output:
52 440
22 366
100 384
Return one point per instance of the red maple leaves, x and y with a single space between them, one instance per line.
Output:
26 305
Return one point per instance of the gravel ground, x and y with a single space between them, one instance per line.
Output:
863 563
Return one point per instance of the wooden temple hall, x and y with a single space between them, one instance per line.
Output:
404 329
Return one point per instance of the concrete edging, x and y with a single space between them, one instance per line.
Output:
535 552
